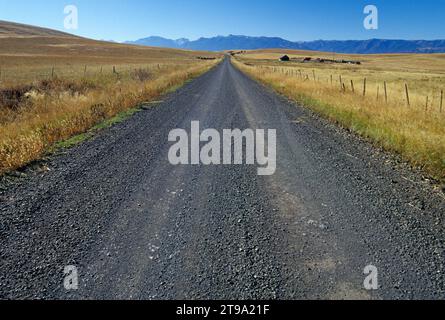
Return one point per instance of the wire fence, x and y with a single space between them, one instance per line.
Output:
433 101
16 76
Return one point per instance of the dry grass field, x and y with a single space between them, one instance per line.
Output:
408 117
54 85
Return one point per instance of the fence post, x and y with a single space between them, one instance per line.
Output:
378 92
407 95
426 105
364 87
441 100
331 79
52 72
352 86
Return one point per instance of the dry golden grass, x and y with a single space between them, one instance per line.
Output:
27 59
54 86
417 132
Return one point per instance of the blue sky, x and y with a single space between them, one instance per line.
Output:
290 19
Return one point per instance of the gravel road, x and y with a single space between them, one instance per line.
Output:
137 227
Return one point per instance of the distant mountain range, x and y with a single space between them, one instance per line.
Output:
233 42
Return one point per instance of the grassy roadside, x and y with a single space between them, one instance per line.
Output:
59 113
121 117
77 139
418 136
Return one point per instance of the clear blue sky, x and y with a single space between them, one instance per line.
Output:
290 19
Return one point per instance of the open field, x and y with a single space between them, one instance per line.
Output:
408 117
54 85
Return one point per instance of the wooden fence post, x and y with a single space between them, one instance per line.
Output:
85 71
364 87
378 92
52 72
407 95
331 79
426 105
352 86
441 100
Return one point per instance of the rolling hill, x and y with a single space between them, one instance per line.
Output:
12 29
54 86
29 51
